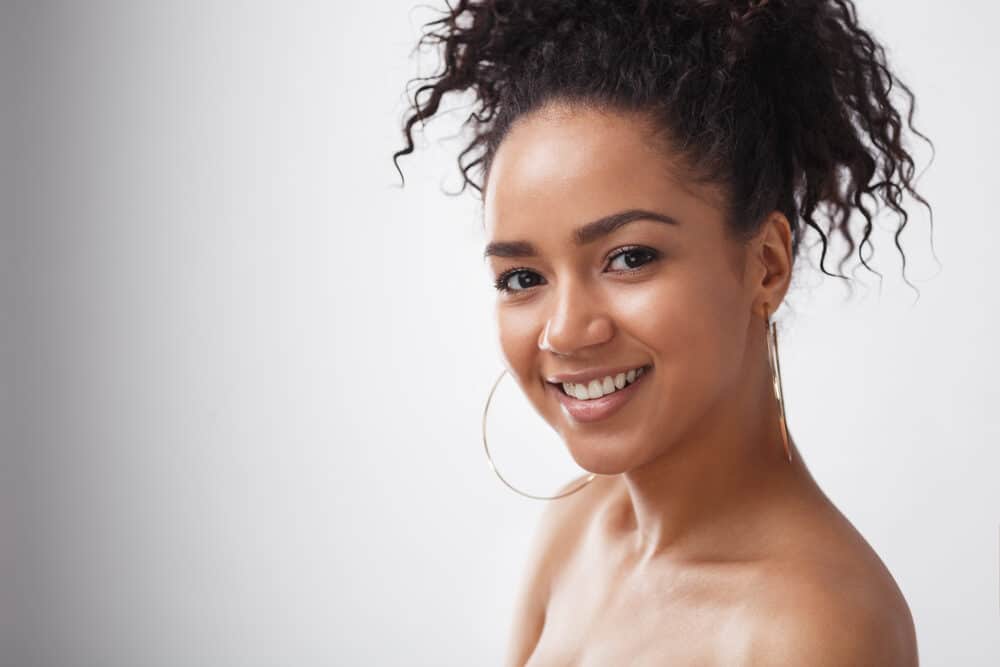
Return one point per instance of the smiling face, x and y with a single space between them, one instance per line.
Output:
661 287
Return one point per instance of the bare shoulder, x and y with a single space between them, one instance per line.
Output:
563 520
826 613
561 523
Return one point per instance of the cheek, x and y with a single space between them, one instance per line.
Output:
517 331
694 329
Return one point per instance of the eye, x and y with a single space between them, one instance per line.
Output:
634 257
504 280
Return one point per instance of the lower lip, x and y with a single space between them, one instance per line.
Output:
598 408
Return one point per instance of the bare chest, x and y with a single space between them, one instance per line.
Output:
642 639
647 618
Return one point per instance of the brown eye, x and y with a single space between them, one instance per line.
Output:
525 279
634 257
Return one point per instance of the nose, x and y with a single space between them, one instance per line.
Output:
576 322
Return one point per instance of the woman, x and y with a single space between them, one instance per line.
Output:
649 172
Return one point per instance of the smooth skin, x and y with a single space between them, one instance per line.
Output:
698 543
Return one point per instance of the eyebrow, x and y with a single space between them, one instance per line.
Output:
588 233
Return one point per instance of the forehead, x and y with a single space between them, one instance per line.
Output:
558 168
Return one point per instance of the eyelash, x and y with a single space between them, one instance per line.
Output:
501 281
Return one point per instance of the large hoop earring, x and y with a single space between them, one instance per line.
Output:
490 458
771 331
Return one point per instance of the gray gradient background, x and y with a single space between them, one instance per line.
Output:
243 372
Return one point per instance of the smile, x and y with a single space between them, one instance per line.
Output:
611 393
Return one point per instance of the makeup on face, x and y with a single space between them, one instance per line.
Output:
613 393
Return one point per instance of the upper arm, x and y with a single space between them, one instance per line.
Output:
533 592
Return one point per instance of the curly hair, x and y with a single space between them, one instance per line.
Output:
785 104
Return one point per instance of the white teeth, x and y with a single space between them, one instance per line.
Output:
600 387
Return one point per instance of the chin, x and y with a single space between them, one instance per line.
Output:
602 456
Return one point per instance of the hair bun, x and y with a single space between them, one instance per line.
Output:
785 104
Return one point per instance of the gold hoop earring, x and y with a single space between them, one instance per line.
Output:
771 331
490 458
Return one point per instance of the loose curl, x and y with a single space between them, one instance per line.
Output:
783 103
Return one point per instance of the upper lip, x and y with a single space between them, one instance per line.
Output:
585 376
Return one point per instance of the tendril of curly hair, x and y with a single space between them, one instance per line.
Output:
785 104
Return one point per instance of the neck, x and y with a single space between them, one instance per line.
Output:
699 498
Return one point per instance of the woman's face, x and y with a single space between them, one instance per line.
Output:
667 296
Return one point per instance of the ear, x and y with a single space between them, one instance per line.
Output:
771 259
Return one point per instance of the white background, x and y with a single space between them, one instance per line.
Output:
243 371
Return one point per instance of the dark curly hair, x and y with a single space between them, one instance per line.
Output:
785 104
